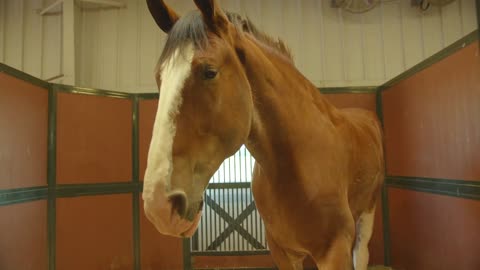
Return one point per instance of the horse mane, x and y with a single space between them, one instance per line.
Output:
192 28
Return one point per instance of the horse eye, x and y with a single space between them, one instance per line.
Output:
210 74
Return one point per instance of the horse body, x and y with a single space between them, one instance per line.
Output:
318 169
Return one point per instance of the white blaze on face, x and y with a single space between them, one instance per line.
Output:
174 71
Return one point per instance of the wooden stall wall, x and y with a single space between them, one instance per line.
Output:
432 138
23 173
94 158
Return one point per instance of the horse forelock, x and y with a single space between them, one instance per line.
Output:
192 29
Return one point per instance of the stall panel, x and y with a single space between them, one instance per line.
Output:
157 250
431 120
236 262
23 236
430 231
23 136
147 111
94 139
94 232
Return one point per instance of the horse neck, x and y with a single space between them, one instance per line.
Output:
286 105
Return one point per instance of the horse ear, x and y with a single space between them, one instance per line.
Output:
212 13
163 15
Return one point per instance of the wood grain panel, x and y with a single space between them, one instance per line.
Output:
431 120
147 111
94 139
158 251
95 232
375 246
23 236
23 133
433 231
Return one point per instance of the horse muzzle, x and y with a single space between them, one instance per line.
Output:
172 214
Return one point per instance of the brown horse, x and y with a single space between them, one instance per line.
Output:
318 169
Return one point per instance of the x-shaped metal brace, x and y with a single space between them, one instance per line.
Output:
233 225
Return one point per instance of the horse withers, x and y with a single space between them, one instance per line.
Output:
318 170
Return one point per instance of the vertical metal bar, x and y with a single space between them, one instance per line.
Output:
237 201
477 6
251 216
51 176
187 259
222 221
260 225
135 179
385 205
210 218
209 223
216 217
203 242
244 191
232 192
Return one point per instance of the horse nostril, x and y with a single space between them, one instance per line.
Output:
179 203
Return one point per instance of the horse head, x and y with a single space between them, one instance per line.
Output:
204 112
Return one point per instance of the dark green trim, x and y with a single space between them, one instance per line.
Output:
76 190
386 227
477 5
456 46
23 76
385 205
231 253
91 91
136 229
51 177
348 90
233 185
187 258
323 90
135 179
379 106
20 195
147 95
447 187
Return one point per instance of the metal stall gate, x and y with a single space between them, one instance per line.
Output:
230 224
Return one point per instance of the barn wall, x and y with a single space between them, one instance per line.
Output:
117 48
23 173
28 41
120 48
432 139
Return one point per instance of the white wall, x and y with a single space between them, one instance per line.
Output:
117 48
30 42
